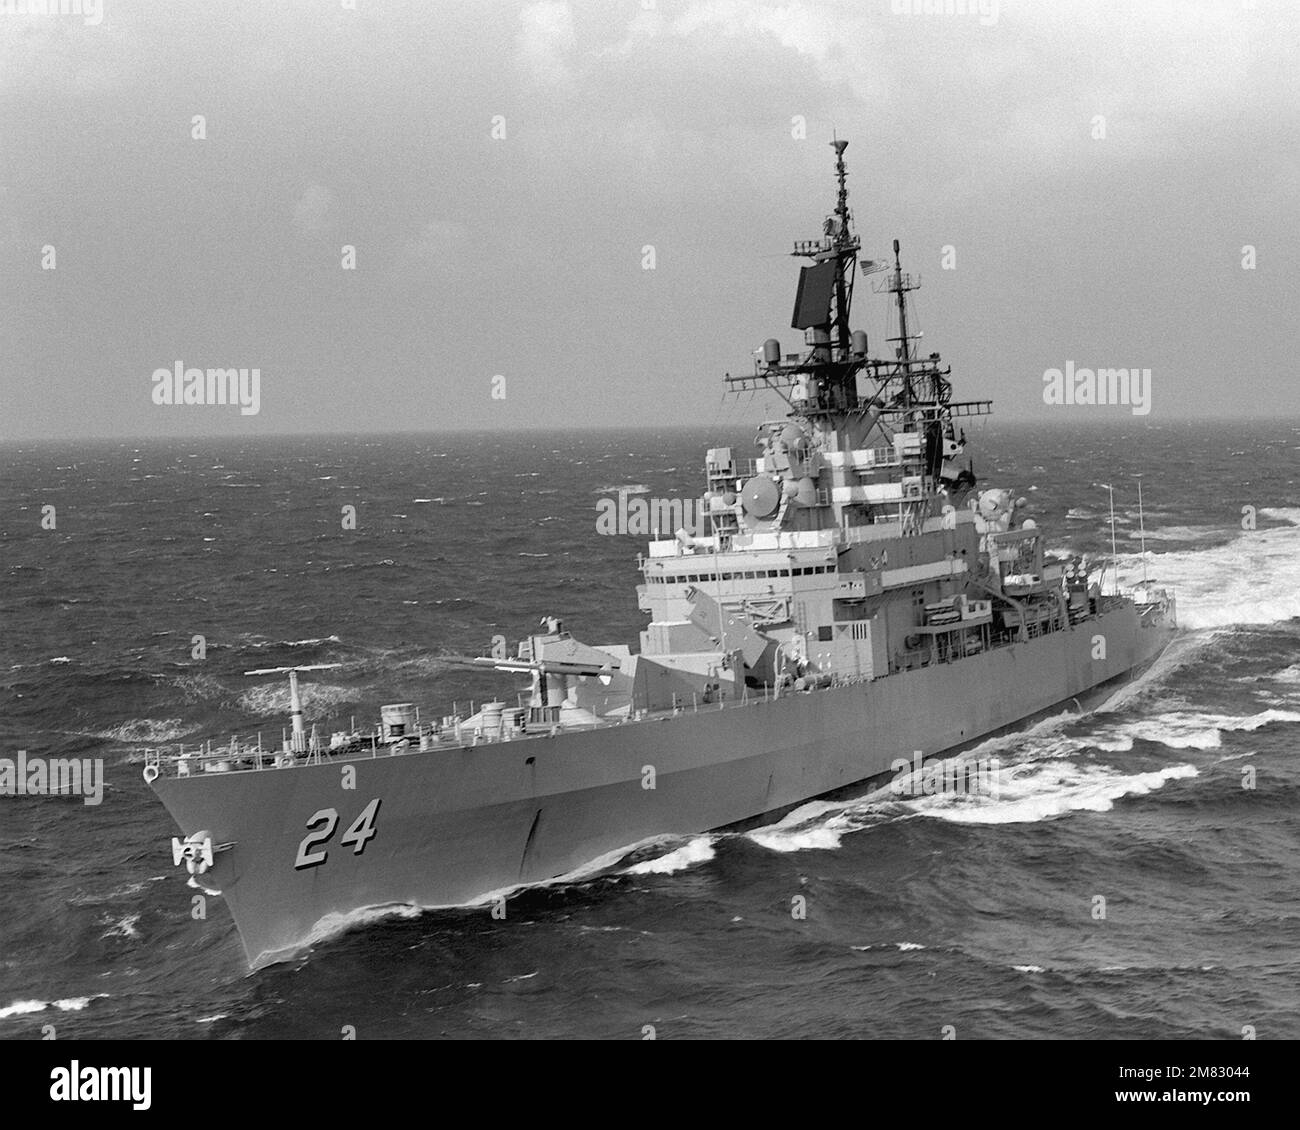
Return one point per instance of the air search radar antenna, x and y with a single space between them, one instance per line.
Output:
295 701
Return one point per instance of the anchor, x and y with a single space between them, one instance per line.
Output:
197 852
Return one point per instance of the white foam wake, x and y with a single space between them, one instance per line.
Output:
1025 792
1254 579
1029 793
821 825
1185 729
810 832
69 1004
698 850
1289 675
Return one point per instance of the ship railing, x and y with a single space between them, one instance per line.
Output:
184 763
434 737
202 760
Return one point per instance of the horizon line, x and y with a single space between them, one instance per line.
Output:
1056 422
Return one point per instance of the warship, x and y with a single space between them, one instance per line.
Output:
856 597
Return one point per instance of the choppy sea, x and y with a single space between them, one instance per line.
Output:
975 913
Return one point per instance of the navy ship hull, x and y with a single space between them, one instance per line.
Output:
852 601
456 826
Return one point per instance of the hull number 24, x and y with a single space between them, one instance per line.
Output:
321 827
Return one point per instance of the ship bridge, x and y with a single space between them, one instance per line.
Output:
854 544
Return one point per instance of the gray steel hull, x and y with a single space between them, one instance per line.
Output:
455 825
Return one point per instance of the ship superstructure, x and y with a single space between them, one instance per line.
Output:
856 597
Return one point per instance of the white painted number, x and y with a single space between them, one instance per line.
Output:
325 822
363 828
330 819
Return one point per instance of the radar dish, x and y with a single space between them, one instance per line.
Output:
760 497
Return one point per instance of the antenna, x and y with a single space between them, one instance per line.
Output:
1142 527
841 173
295 702
1113 553
902 328
846 246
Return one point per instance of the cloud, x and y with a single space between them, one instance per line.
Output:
803 29
546 38
1022 91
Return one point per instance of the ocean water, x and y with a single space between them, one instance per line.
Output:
974 913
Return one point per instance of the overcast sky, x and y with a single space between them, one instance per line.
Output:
631 123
